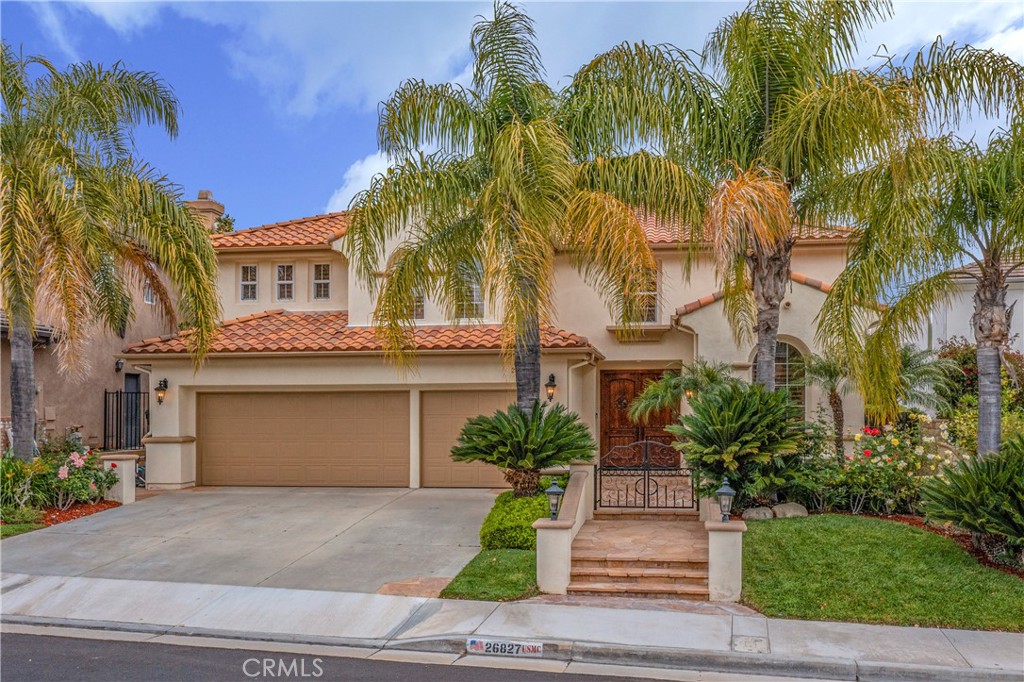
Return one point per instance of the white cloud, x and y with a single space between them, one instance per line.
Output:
125 17
53 26
356 179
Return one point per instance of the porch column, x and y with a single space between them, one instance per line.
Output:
415 415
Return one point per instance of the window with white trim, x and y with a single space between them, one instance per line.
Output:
472 306
285 282
321 281
247 279
789 373
419 306
148 295
649 299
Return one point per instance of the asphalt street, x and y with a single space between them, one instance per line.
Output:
30 658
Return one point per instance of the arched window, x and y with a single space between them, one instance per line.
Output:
788 372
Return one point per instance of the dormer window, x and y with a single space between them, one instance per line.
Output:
419 306
247 278
285 282
322 281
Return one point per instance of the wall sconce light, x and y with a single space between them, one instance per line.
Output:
550 387
689 394
161 391
118 364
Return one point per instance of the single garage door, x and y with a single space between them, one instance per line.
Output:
444 413
303 439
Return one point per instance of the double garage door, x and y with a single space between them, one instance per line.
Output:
337 439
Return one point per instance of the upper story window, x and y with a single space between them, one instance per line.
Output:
472 306
285 282
322 281
649 298
247 277
419 306
789 375
148 295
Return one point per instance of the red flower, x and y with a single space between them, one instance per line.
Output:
888 459
867 453
113 465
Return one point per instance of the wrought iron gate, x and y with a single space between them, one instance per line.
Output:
125 419
644 475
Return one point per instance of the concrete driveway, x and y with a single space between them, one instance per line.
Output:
343 539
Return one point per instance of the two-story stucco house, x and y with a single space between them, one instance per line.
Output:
296 391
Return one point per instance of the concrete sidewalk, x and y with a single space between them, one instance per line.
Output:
583 634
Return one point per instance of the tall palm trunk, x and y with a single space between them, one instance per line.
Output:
23 391
838 420
527 366
769 274
991 322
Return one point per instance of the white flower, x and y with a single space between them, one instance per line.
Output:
919 450
929 439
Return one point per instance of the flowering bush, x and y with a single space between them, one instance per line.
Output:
81 478
23 484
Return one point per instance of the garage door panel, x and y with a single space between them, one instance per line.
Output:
444 414
304 439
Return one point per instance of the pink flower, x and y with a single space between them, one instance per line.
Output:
62 473
92 486
78 460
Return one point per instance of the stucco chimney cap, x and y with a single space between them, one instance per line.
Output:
205 194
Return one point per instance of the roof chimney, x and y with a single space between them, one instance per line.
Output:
207 208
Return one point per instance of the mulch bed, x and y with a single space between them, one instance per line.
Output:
52 516
963 538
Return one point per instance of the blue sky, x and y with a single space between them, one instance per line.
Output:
279 99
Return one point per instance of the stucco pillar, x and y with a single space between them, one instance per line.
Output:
725 559
415 416
171 444
554 559
123 464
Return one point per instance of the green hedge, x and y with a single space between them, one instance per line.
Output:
509 525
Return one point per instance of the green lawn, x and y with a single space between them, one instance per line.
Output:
866 570
496 575
9 530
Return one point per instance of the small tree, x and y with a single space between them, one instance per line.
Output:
829 374
521 443
668 391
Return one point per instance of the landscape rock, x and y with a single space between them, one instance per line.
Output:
789 510
756 513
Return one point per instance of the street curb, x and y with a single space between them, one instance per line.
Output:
839 669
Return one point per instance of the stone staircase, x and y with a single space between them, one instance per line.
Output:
649 554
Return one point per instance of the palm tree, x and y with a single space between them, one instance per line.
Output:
831 375
924 378
510 183
772 109
668 391
938 203
84 222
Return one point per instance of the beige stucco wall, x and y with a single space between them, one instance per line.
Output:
64 401
228 282
954 317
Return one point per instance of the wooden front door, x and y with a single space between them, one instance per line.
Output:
618 390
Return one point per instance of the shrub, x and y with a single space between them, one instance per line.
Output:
742 432
24 484
522 443
509 525
984 495
81 478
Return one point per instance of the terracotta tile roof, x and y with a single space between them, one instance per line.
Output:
660 232
705 301
319 230
1011 262
282 331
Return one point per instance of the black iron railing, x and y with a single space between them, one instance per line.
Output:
644 475
125 419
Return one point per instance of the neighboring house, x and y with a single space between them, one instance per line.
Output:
109 403
954 317
296 392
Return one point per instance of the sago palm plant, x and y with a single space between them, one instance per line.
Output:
522 442
510 183
772 109
85 223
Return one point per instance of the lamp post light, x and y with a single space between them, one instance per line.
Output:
161 391
725 495
550 387
554 493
